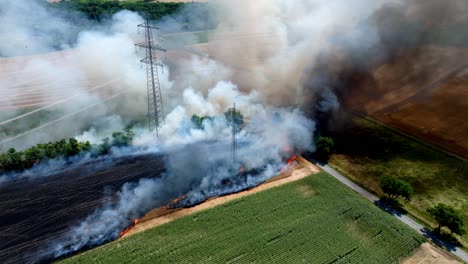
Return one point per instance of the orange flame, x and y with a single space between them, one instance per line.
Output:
126 230
174 202
289 163
291 160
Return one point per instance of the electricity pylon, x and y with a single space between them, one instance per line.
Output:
232 112
155 103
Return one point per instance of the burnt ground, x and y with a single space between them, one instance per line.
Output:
33 213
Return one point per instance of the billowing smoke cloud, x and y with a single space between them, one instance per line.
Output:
199 161
292 52
269 45
56 95
265 54
29 28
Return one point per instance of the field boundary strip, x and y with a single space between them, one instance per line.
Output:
404 134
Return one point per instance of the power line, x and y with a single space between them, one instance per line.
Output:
54 104
63 117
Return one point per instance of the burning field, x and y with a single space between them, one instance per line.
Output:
36 213
296 169
231 114
44 214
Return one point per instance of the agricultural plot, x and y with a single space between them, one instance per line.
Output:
35 213
314 220
366 151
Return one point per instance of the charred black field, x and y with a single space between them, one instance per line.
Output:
36 212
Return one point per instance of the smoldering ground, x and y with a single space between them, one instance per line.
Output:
199 163
304 54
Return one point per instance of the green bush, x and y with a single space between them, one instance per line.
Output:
395 188
325 147
449 217
198 120
235 117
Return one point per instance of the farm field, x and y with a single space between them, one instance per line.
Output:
367 150
422 92
314 220
175 41
37 212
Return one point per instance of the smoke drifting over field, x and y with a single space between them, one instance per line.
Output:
303 52
101 62
199 161
285 55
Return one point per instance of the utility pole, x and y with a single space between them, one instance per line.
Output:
155 104
233 112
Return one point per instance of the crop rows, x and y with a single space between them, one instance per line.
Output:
315 220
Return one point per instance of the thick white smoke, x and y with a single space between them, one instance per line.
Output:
101 62
260 59
199 160
268 45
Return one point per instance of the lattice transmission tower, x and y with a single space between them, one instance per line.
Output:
232 112
152 61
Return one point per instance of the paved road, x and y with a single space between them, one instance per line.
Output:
405 219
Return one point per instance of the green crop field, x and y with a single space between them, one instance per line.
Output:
366 151
314 220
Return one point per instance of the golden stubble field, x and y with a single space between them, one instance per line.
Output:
422 93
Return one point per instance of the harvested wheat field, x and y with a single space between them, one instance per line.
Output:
423 93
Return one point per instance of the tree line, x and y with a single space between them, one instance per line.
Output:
14 160
99 9
189 16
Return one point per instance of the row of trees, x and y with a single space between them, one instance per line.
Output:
14 160
442 213
20 160
99 9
